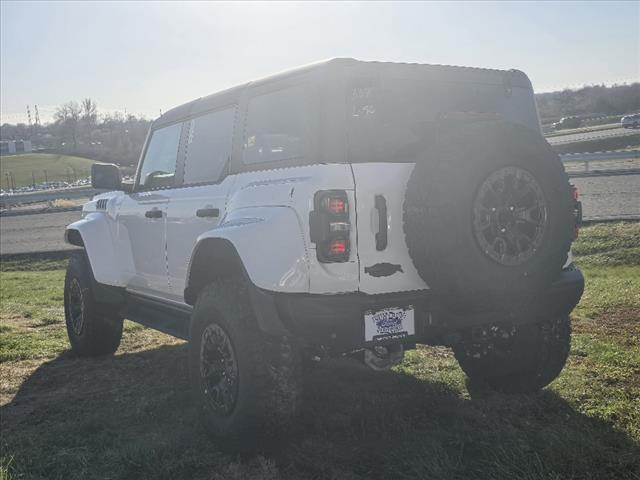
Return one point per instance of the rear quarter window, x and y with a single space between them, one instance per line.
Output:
278 126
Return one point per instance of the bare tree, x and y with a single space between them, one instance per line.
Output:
89 115
67 118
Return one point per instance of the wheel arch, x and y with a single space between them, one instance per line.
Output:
212 252
108 263
218 258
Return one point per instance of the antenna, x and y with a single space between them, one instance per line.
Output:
37 122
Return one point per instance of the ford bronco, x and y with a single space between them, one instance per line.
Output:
345 207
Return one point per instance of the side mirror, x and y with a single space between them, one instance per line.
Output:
106 176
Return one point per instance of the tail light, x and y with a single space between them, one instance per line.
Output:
329 226
577 209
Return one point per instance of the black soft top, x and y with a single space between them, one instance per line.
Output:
334 66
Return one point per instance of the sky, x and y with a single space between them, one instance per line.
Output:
144 57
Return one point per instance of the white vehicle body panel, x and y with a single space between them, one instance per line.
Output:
272 261
146 239
390 181
111 262
295 188
184 227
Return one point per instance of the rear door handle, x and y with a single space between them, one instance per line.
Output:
381 237
154 213
208 212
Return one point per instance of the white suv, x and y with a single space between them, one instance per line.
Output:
630 121
344 207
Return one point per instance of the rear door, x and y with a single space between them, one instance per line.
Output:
201 202
385 265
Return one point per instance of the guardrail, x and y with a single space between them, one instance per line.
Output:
587 158
47 195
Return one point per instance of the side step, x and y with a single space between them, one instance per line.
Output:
166 317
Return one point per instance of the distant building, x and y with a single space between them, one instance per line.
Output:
8 147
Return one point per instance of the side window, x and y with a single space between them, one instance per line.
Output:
277 126
159 163
208 146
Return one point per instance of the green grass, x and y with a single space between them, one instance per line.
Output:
130 416
58 167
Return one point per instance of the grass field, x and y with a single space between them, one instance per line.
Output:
58 167
129 416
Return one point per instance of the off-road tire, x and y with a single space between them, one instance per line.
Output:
531 358
93 328
268 388
439 215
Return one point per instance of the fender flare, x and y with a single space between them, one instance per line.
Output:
93 233
230 249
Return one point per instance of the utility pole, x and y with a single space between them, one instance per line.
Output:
33 177
37 116
46 180
8 182
30 123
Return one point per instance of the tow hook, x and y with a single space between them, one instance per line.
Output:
383 357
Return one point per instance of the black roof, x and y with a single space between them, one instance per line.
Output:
442 72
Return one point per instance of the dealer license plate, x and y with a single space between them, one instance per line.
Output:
389 324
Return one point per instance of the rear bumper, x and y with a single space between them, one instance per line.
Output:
336 321
565 293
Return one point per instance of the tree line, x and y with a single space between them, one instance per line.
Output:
589 101
78 129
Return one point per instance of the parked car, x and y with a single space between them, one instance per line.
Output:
341 208
567 122
630 121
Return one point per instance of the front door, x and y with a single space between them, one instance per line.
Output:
142 216
200 204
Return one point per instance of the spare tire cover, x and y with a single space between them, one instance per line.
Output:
488 215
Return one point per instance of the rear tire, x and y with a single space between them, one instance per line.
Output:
517 359
244 382
92 328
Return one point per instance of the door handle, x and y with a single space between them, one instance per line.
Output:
381 237
208 212
155 213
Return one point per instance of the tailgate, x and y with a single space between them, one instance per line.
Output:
385 265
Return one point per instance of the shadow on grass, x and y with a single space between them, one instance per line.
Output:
130 416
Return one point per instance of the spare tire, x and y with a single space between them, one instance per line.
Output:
488 215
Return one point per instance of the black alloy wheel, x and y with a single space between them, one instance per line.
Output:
510 216
218 370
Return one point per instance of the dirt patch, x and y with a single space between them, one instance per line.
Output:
621 325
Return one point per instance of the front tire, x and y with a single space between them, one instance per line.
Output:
244 382
517 359
92 328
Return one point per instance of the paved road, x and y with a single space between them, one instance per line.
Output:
598 134
601 197
35 233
